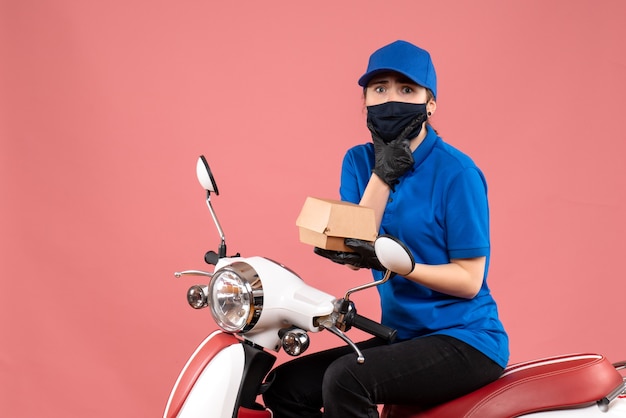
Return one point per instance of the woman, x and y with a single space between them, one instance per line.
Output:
434 199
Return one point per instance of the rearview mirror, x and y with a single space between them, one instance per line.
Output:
205 177
394 255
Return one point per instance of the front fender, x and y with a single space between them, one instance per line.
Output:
209 383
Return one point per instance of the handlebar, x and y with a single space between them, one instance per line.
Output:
348 318
374 328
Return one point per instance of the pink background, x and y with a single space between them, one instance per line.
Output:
105 106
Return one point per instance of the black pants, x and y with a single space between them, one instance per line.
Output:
424 371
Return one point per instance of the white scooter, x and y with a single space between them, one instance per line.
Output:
261 306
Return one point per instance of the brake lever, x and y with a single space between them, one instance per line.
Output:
330 326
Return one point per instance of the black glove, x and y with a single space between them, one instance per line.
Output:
393 159
363 256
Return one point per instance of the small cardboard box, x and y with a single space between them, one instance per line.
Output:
324 223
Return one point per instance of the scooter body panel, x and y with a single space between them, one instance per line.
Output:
208 385
287 299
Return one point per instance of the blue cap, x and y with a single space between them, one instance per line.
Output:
406 59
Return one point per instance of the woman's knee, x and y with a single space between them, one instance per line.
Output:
342 376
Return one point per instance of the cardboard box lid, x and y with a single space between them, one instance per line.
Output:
338 219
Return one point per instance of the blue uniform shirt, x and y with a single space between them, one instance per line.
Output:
440 211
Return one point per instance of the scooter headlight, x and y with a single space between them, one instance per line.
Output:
236 297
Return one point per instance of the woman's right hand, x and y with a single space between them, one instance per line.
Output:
392 160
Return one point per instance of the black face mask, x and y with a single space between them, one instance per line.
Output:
393 120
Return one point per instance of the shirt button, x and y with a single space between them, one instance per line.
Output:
390 200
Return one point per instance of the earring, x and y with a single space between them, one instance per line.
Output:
430 113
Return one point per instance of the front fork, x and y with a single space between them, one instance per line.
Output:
258 364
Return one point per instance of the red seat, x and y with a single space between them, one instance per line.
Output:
552 383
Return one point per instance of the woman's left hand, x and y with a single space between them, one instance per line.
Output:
363 256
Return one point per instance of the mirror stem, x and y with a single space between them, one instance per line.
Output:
388 275
222 248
